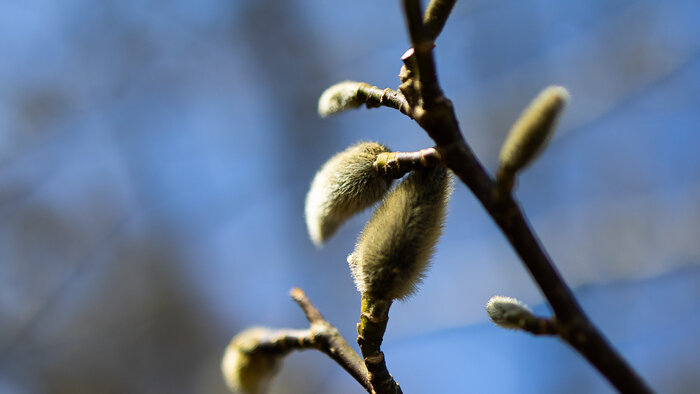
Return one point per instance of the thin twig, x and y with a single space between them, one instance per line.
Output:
327 339
313 315
397 164
539 326
434 113
374 97
282 341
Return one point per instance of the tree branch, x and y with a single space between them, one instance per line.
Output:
424 65
397 164
434 113
375 97
326 338
540 326
370 334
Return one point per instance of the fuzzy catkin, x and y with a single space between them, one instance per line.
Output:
394 249
345 185
533 130
338 98
507 312
245 368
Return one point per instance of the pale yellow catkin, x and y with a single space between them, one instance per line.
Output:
507 312
532 131
394 249
245 368
338 98
345 185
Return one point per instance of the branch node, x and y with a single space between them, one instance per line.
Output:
375 359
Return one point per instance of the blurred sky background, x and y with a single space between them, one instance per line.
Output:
155 155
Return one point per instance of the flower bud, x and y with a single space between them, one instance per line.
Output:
246 367
395 246
532 131
345 185
338 98
508 312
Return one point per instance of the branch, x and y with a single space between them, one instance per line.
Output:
421 61
435 114
397 164
435 17
326 338
374 97
370 334
575 327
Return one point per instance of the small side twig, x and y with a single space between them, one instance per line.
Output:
375 97
541 326
424 65
313 315
326 338
397 164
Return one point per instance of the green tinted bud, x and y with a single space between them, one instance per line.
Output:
532 131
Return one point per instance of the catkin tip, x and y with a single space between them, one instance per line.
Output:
245 368
508 312
532 131
338 98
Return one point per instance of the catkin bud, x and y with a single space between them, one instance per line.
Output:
247 368
345 185
395 247
338 98
508 312
532 131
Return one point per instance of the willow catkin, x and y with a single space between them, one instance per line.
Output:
508 312
533 130
345 185
245 367
395 247
338 98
